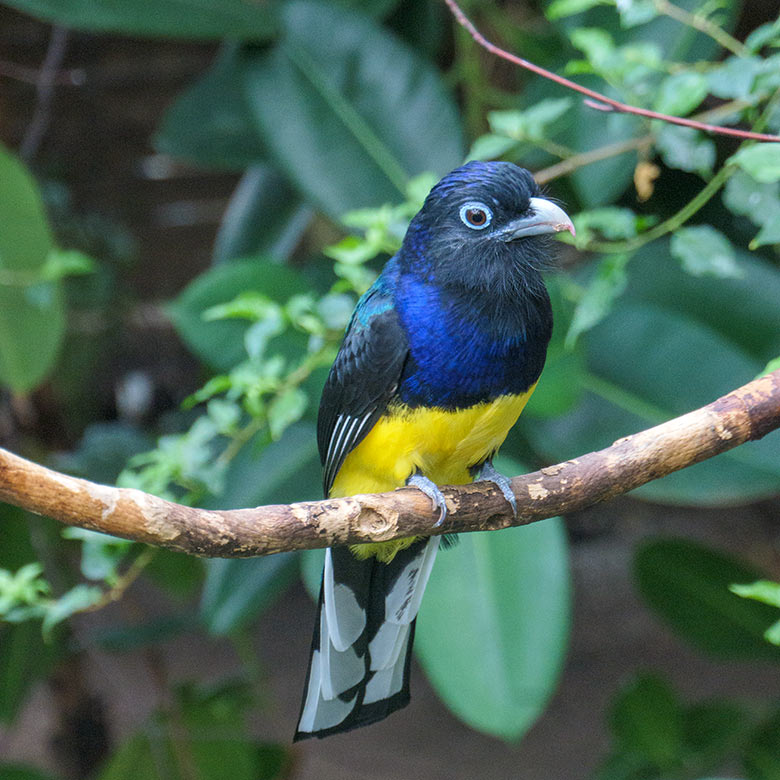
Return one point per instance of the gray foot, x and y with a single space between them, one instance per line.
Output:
489 474
431 490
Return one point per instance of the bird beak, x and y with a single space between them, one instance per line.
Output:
546 217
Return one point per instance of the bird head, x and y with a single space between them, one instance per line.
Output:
484 225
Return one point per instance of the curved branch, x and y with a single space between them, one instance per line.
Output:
745 414
596 99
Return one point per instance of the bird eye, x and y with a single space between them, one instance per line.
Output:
477 216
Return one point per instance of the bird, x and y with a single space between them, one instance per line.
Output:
438 360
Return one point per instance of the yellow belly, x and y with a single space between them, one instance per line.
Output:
441 444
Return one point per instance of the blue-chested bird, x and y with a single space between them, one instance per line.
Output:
438 361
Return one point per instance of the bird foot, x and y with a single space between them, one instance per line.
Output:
488 473
431 490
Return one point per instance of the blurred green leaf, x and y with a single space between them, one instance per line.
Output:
24 660
561 8
169 18
210 727
611 222
714 730
607 284
512 589
648 721
18 772
687 585
237 591
704 250
674 342
344 142
764 591
681 92
734 77
61 263
210 123
77 599
758 202
32 317
220 344
686 149
100 554
266 215
762 754
761 161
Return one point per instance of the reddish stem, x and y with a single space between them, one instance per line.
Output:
606 103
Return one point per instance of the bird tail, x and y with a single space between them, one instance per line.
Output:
362 646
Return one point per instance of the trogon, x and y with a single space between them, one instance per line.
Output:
438 360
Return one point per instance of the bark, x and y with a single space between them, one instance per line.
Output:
746 414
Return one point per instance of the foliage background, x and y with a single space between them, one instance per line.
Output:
182 238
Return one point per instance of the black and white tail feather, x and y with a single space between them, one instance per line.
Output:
361 651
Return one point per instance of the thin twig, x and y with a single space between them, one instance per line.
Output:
603 102
47 79
746 414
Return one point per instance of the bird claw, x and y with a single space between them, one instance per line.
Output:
488 473
431 490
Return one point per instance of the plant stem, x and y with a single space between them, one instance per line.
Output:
703 25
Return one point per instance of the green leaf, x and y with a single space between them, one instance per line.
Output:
687 585
78 598
714 731
704 250
673 343
210 122
761 161
647 721
24 660
764 591
611 222
266 215
607 285
530 123
758 202
208 726
66 262
680 93
345 143
686 149
559 9
286 409
237 591
169 18
220 344
32 317
512 589
17 772
762 754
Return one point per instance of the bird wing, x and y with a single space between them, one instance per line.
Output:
362 380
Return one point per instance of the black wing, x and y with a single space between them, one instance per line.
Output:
363 379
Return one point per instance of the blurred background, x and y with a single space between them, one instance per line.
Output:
192 197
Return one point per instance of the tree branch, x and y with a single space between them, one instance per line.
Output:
745 414
596 99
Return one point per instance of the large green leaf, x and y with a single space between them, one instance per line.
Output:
349 111
198 19
661 354
32 318
237 591
220 343
24 659
688 586
208 727
210 123
266 215
494 623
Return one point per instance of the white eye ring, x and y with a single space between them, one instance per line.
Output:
468 211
